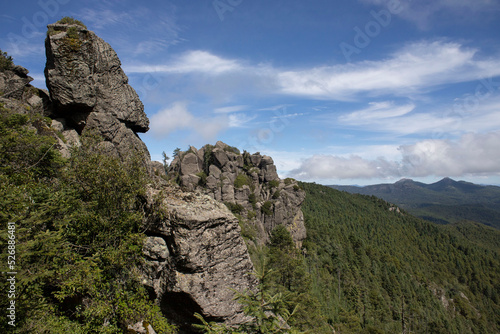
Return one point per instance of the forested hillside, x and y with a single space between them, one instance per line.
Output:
443 202
377 270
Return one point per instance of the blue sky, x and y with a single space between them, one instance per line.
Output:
337 92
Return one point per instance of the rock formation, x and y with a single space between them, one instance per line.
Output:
89 90
194 250
196 257
247 183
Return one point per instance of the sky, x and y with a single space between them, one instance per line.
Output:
336 92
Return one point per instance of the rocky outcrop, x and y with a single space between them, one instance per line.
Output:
195 254
89 90
196 257
247 183
18 95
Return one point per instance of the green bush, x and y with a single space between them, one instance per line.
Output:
276 194
266 208
71 20
6 62
274 184
242 180
78 224
232 149
203 178
234 207
252 198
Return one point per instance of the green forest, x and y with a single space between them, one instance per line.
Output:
376 270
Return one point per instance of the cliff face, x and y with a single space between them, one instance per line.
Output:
247 183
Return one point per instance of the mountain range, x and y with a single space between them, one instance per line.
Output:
446 201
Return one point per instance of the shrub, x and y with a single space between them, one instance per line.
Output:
71 20
276 194
253 200
251 214
234 207
241 180
274 184
266 208
289 181
232 149
6 62
203 178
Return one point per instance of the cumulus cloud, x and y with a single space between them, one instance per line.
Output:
177 117
476 154
472 154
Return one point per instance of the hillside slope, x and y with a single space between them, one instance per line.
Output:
446 201
379 271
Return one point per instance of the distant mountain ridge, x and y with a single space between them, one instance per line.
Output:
446 201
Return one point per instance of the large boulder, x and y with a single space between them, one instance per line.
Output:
199 258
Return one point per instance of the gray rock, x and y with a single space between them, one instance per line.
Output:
141 327
85 74
220 157
156 248
190 164
209 258
259 171
214 171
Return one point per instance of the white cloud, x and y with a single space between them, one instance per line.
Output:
473 154
101 18
177 117
377 111
414 69
240 120
137 31
230 109
191 62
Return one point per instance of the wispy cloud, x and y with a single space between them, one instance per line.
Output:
424 13
377 111
191 62
136 31
414 69
240 120
230 109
